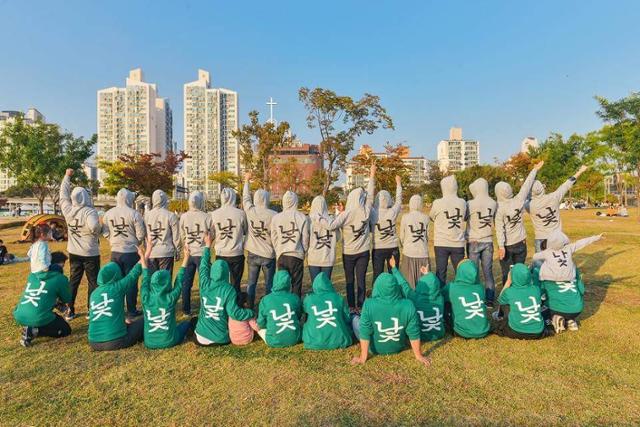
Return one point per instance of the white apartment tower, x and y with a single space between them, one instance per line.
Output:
527 143
210 117
132 119
456 153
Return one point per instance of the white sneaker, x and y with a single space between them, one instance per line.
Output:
558 323
496 315
572 325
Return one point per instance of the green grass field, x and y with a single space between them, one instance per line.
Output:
588 377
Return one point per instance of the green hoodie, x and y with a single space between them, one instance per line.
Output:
387 318
39 297
327 326
564 297
218 301
106 311
429 304
280 313
466 295
159 306
523 299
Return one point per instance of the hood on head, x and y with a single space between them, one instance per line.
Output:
159 199
80 197
161 282
322 284
219 271
228 197
467 272
281 281
520 276
449 186
125 198
386 286
538 189
383 199
196 201
261 198
428 285
503 191
289 201
319 206
415 203
109 273
557 240
355 199
479 188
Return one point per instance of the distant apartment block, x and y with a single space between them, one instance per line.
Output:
456 153
528 143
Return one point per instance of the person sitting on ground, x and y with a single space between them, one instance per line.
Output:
623 212
427 299
611 211
328 325
520 301
4 253
218 301
280 313
39 253
464 299
35 308
159 301
107 327
388 320
561 281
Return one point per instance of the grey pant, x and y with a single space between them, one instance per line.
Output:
482 254
410 268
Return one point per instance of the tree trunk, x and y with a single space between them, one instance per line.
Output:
41 204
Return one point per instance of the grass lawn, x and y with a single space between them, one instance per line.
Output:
588 377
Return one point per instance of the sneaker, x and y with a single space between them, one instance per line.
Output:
132 316
28 333
558 323
572 325
489 304
69 315
496 315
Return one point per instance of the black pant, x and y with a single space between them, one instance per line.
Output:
504 330
236 270
513 254
156 264
58 328
380 258
126 262
79 265
134 335
189 275
443 253
295 267
355 271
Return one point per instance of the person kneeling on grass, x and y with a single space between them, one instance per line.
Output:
218 302
427 299
464 298
387 321
561 281
521 304
328 325
159 305
107 327
279 313
35 309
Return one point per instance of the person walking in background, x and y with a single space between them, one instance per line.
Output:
480 228
322 243
290 237
510 231
194 224
383 225
83 245
124 227
229 226
164 231
260 252
414 235
448 214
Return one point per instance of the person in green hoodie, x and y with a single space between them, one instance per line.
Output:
279 313
521 304
465 297
387 321
107 328
427 299
328 325
159 305
34 311
218 301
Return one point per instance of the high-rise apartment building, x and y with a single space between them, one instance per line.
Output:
527 143
456 153
210 117
133 119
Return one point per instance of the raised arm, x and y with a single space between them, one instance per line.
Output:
559 194
65 193
145 286
247 203
523 194
204 271
406 288
371 187
576 246
397 206
333 224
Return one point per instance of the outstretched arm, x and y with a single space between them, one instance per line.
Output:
371 187
559 194
576 246
523 194
65 193
397 206
204 270
247 203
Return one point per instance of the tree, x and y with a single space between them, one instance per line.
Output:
493 174
518 167
38 154
432 188
289 175
258 143
388 166
340 121
226 179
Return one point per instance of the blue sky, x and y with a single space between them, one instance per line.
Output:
502 70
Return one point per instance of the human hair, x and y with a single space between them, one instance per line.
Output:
58 257
41 230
